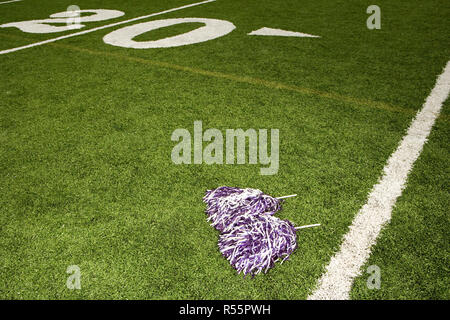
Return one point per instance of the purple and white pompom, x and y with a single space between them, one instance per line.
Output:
255 244
224 204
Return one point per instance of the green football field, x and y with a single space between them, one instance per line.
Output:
87 177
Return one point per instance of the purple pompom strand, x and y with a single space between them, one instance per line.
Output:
224 204
257 242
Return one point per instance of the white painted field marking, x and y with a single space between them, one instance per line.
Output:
280 33
212 29
63 18
345 265
102 27
10 1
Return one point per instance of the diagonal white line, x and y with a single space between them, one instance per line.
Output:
345 265
10 1
102 27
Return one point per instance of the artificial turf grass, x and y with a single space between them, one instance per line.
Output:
413 251
87 177
97 148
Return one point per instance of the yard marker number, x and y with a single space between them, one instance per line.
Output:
75 34
44 26
72 19
212 29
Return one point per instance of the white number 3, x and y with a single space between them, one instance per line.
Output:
44 26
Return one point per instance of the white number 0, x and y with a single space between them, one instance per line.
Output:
212 29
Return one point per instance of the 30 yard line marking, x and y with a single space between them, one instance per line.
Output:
10 1
102 27
345 265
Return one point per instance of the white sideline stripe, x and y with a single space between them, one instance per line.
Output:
345 265
102 27
10 1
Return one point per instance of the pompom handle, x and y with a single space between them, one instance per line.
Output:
284 197
308 226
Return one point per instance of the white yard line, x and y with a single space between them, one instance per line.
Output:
101 28
10 1
345 265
